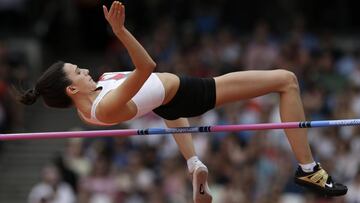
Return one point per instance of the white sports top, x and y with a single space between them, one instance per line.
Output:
150 96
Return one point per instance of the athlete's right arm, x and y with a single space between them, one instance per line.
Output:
144 65
139 56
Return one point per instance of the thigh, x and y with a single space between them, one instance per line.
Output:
240 85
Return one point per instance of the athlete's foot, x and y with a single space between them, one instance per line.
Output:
319 182
201 191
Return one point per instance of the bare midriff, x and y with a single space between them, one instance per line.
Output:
171 84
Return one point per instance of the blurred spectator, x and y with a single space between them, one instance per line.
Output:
230 50
66 173
327 77
11 114
355 74
175 182
261 52
100 185
206 18
51 189
75 159
353 195
299 32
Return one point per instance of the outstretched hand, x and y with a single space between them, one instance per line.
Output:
115 16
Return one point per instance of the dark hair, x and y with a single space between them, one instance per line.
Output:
51 86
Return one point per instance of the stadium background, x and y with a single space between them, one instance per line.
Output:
317 40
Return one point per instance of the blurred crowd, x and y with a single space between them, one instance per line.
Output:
245 166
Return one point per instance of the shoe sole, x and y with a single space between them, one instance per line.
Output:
200 186
327 192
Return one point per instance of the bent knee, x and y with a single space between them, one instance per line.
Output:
287 79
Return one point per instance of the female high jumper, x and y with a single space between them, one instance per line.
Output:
123 96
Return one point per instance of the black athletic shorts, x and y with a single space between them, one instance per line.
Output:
194 97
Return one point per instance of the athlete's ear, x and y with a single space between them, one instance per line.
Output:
70 90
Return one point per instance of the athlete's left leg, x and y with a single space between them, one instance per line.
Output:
201 191
237 86
248 84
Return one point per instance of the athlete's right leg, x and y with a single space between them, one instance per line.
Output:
201 191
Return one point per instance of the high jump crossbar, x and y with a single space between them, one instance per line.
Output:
200 129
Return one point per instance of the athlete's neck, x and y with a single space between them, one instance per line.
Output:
83 102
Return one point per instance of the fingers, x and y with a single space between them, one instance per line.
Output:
116 10
112 9
122 10
106 12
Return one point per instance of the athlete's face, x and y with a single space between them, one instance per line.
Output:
81 80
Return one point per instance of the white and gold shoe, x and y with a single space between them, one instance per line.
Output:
319 182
